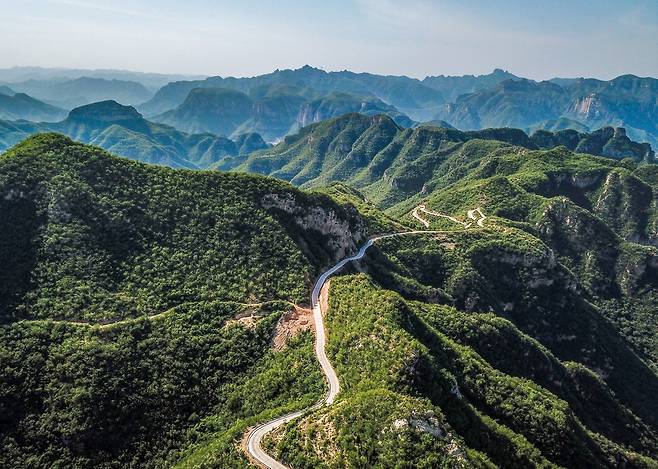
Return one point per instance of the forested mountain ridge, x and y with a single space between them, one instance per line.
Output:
121 129
139 306
389 163
134 278
565 263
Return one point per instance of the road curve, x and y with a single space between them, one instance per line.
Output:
255 437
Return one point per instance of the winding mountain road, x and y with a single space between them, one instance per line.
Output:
254 439
471 214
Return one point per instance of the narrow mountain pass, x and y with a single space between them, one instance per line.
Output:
254 448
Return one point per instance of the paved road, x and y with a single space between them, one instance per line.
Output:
257 434
255 437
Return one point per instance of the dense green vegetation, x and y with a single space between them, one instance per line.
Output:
120 285
90 235
426 386
140 392
566 257
529 341
390 165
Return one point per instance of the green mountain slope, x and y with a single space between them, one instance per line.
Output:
390 164
121 303
122 130
528 341
139 304
431 386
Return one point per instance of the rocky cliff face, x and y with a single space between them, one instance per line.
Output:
587 108
341 232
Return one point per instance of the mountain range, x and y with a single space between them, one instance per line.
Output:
281 102
499 99
272 111
150 316
627 101
408 95
70 93
122 130
390 164
19 106
152 81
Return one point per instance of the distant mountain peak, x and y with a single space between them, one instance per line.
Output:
105 111
6 90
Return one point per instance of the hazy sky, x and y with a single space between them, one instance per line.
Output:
537 39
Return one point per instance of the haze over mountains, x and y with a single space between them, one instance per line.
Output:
281 102
122 130
152 81
153 312
626 101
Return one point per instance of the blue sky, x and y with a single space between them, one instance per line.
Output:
600 38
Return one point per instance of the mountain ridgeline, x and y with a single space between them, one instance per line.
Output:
122 130
627 101
498 99
150 315
271 111
280 103
389 163
70 93
19 106
408 95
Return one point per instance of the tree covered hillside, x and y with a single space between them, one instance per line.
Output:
139 305
390 164
523 336
121 289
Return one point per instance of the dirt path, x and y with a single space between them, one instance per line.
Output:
479 220
109 324
414 214
477 215
437 214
